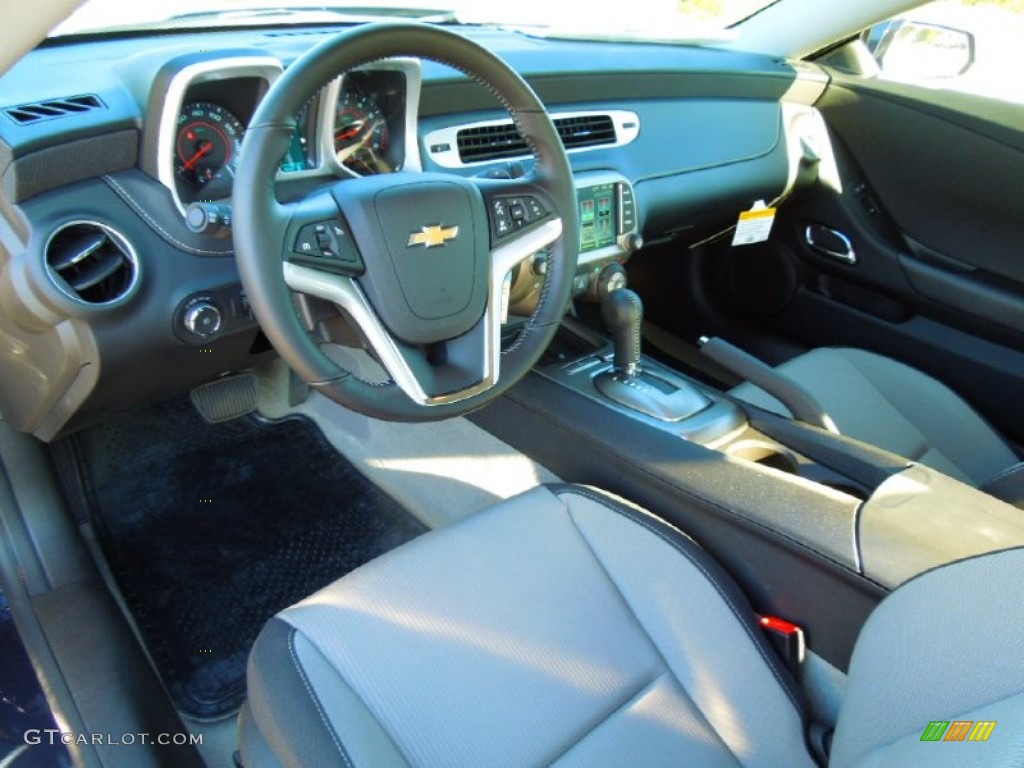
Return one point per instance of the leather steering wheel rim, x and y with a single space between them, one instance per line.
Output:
260 220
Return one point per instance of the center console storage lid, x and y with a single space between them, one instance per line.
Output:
919 519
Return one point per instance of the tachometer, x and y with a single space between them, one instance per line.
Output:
206 151
361 134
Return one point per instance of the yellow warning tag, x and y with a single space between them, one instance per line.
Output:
755 225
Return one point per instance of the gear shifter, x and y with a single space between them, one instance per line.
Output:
666 398
623 313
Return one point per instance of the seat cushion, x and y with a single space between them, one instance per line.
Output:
946 647
561 626
893 406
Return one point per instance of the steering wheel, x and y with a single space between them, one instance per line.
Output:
418 262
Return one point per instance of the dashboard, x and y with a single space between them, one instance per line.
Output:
118 158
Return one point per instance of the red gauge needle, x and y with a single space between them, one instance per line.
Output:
353 131
195 158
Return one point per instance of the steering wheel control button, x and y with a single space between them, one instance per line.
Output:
534 210
510 214
516 211
307 244
328 245
325 242
500 218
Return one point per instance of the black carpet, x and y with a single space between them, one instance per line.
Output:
23 706
211 529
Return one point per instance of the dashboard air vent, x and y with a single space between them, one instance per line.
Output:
502 140
91 262
585 130
25 114
490 142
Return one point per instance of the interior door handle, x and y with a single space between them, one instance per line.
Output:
830 243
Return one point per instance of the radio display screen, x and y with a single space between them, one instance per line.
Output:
597 216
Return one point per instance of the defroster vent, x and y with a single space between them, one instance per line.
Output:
25 114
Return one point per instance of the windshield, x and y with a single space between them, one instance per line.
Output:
636 19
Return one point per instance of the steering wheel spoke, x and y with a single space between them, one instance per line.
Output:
344 292
512 251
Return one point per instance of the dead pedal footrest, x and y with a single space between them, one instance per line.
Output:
226 398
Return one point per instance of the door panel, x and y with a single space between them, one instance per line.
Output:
952 179
930 195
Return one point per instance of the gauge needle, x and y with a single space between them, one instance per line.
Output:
195 158
348 151
354 129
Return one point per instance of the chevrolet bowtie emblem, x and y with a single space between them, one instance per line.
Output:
431 236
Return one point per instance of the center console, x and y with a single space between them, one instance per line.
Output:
815 526
618 376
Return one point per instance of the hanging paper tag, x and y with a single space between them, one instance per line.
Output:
755 225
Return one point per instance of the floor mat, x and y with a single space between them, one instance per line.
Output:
24 711
211 529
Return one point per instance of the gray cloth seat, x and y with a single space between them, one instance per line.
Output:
885 403
566 627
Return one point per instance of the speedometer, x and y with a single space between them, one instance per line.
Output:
206 149
361 134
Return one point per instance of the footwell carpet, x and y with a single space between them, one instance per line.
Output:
211 529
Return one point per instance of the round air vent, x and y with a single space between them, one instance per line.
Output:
91 262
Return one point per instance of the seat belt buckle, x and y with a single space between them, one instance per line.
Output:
788 639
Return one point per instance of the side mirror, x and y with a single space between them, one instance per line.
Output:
920 50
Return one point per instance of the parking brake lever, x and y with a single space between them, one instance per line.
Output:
802 404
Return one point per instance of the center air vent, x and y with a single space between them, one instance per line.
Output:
91 262
490 142
500 139
25 114
585 131
496 142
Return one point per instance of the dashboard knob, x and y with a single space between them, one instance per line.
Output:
209 219
634 242
612 278
202 319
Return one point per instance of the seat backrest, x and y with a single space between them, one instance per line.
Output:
938 662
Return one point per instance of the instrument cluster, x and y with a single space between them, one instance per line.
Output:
356 126
369 122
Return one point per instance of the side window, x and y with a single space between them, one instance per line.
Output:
972 46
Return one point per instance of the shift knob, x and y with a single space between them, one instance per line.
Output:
623 313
